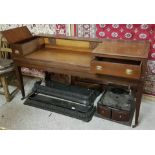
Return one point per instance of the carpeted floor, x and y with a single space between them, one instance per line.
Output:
16 115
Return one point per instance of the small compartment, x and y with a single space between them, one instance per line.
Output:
116 67
29 45
116 103
104 111
120 115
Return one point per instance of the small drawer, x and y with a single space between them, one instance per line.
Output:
104 111
120 68
120 115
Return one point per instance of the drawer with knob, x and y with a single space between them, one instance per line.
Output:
120 115
116 67
104 111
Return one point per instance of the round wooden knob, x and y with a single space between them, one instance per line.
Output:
129 71
16 52
99 67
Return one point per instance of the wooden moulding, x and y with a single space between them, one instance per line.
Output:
82 44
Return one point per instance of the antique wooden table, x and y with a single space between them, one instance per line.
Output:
108 61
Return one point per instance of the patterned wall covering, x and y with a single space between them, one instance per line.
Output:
86 30
150 79
34 28
129 32
112 31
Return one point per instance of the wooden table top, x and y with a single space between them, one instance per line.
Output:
135 49
61 56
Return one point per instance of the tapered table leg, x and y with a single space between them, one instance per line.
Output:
138 101
20 80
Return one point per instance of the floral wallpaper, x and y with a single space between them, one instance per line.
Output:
86 30
34 28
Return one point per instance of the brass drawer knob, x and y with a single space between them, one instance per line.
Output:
99 67
16 52
129 71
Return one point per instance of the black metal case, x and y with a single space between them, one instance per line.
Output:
69 100
57 105
71 97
